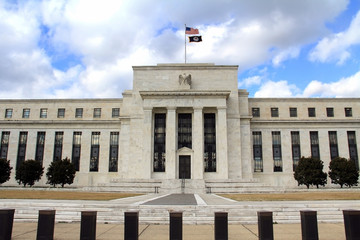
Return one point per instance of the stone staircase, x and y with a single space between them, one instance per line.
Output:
239 186
128 186
238 212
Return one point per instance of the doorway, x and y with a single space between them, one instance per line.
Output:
184 167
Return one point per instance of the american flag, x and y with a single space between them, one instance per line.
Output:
190 30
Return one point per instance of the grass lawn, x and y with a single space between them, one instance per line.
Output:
66 195
295 196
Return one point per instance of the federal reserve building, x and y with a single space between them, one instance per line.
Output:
183 127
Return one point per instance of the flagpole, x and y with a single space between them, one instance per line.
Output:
185 41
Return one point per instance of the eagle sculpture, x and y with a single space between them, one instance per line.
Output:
185 79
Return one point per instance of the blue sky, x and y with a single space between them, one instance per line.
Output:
86 48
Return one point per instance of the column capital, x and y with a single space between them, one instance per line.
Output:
171 108
148 108
198 108
221 107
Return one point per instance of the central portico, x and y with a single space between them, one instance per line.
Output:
184 119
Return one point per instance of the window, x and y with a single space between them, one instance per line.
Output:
348 112
115 112
314 144
274 112
159 142
59 136
26 113
330 112
334 152
184 130
276 142
257 152
353 148
295 145
256 112
94 154
78 112
97 112
21 148
4 145
61 113
209 142
114 151
293 112
311 112
8 113
76 151
40 143
43 112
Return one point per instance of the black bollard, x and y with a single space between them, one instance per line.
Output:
46 223
265 225
221 226
88 225
131 226
6 223
309 226
176 226
351 223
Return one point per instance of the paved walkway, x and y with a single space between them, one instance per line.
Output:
69 231
26 230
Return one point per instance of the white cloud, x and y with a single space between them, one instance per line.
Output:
345 87
336 46
250 81
277 89
109 37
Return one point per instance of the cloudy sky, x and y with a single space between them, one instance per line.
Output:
86 49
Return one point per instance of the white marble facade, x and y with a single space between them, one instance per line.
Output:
173 90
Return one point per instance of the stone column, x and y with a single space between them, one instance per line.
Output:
221 144
170 143
147 142
198 144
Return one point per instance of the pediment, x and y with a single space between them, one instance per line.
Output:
185 150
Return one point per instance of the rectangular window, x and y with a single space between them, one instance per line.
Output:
95 149
114 152
330 112
293 112
295 145
43 112
311 112
353 148
184 130
159 142
115 112
21 148
8 113
209 142
76 150
274 112
348 112
4 145
334 152
257 151
255 112
314 143
78 112
61 113
276 143
26 113
40 144
59 136
97 112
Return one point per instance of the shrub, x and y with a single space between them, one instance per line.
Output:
310 172
28 172
61 172
343 172
5 170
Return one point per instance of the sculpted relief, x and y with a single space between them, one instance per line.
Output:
185 79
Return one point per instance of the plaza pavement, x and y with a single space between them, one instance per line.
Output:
115 230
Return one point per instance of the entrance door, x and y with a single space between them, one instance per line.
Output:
184 167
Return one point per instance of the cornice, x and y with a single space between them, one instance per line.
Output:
189 93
